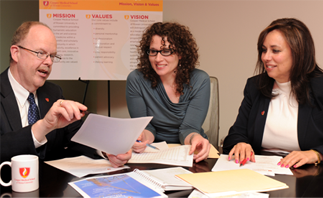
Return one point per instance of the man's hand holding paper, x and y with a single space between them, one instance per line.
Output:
113 136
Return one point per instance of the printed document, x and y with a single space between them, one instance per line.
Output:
163 145
111 135
177 156
266 165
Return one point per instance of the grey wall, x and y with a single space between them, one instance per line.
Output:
12 14
226 32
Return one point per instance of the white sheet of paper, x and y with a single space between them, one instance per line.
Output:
198 194
178 156
160 145
266 165
82 165
111 135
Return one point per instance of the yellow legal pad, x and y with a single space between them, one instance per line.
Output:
240 180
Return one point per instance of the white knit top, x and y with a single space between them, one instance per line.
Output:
281 124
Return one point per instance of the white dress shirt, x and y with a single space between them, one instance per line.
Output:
21 95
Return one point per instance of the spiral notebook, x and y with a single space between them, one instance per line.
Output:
166 178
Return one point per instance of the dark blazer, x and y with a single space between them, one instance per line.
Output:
17 140
250 123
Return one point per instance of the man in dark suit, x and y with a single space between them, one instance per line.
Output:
32 53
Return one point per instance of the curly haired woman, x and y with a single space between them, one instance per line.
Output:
167 86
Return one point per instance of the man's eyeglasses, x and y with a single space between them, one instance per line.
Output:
164 52
42 55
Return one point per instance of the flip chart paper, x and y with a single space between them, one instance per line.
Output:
97 39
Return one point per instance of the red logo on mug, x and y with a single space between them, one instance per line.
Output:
45 3
24 172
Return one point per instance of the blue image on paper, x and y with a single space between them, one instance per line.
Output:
115 186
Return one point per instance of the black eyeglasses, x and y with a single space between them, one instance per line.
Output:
42 55
164 52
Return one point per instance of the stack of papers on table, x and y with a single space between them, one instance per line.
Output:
163 145
222 183
177 156
81 166
171 154
266 165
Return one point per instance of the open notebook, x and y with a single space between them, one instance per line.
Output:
166 178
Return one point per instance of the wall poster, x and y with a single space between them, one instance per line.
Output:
97 39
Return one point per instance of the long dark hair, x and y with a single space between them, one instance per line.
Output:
304 65
181 41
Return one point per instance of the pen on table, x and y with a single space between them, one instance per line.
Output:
151 146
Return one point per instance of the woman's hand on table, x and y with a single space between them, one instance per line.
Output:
296 159
199 145
242 151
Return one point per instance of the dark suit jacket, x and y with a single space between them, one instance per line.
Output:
17 140
250 123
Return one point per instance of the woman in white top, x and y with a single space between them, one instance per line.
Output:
282 109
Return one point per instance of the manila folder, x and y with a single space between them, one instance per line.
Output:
240 180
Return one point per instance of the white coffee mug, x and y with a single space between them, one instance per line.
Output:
24 173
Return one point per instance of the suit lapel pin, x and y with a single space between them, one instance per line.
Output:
263 112
47 99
